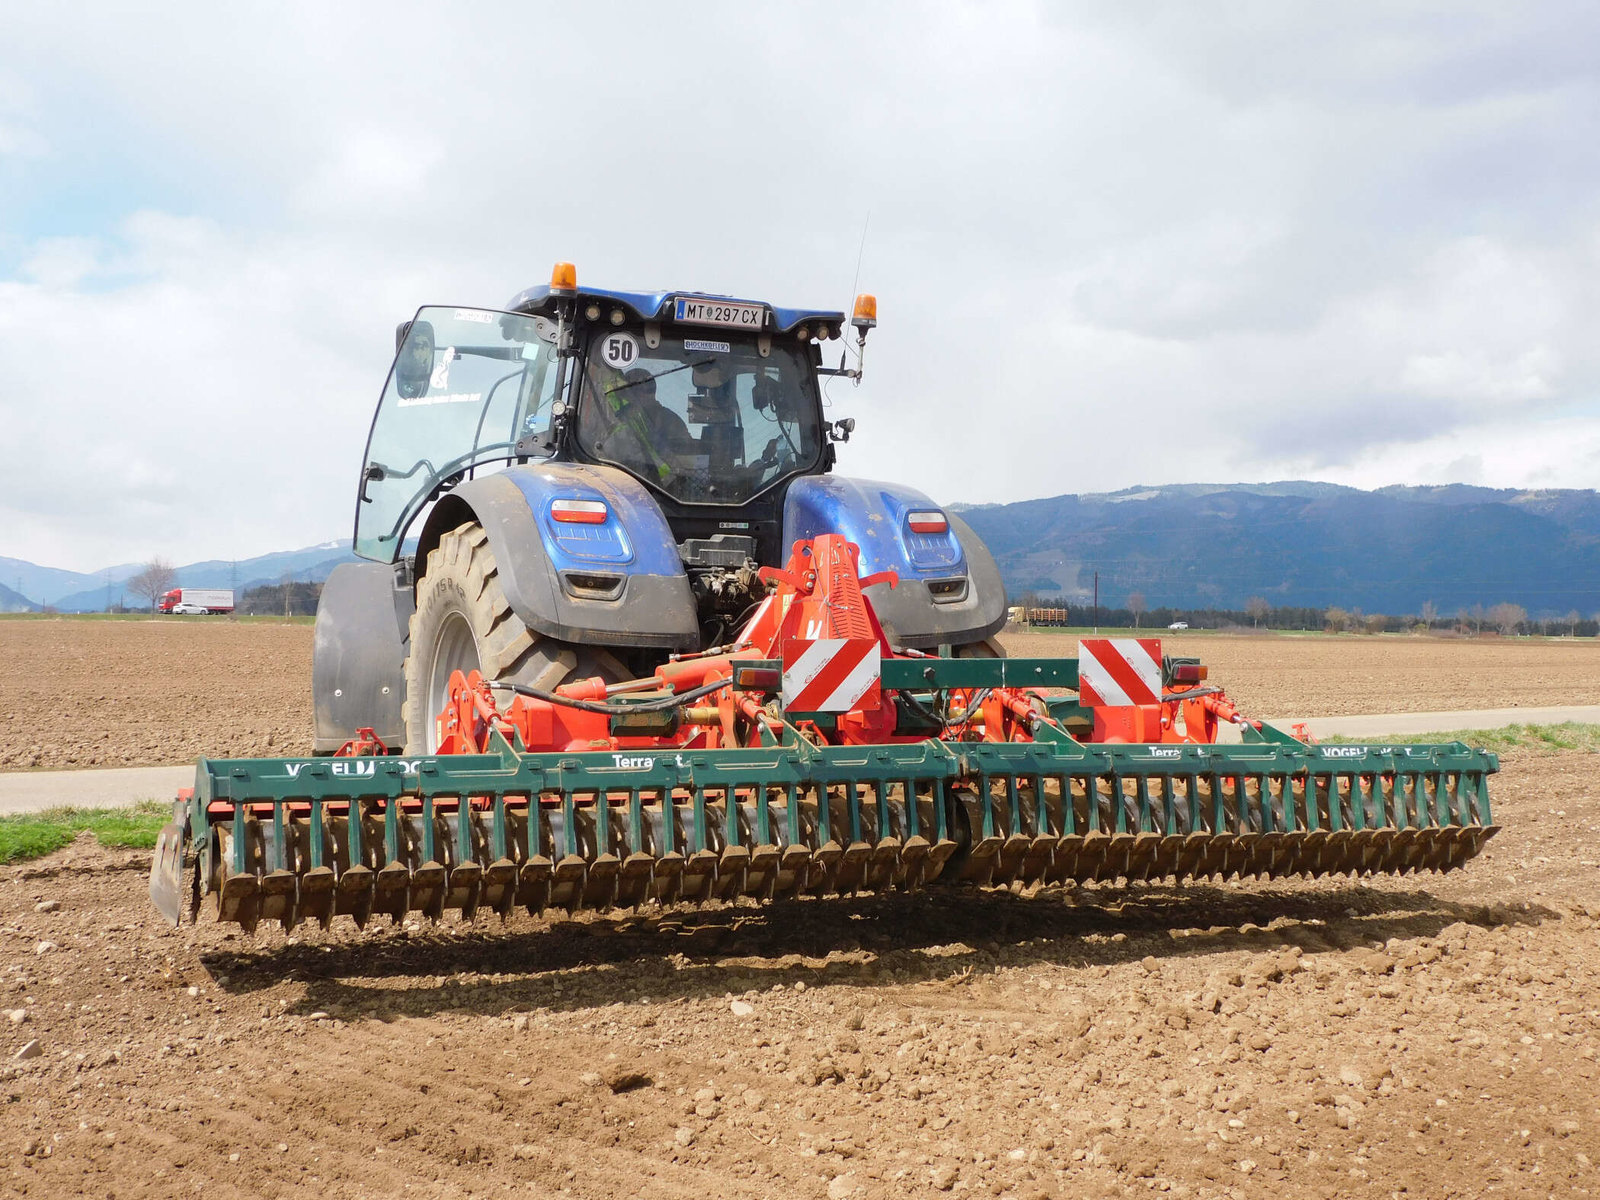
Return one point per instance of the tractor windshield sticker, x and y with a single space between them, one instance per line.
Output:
476 314
620 350
712 347
441 373
441 398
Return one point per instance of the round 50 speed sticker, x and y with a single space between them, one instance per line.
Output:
619 350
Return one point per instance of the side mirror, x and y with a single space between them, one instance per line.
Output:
843 428
414 363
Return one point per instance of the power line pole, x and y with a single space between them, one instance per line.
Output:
1097 601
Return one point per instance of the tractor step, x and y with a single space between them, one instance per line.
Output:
308 840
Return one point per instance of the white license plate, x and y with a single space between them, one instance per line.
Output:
721 312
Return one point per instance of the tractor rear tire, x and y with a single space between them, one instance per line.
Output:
463 622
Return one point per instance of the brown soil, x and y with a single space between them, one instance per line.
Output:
78 693
1281 675
128 693
1431 1036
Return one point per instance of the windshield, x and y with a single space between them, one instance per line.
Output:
465 385
707 418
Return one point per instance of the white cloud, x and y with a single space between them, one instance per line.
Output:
1111 245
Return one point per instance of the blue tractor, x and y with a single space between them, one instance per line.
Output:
598 477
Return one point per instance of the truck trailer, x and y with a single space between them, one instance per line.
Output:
205 600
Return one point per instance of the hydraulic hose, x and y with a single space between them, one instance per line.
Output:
612 710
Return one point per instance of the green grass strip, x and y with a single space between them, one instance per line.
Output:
1528 739
33 835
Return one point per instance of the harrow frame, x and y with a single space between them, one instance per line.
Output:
273 838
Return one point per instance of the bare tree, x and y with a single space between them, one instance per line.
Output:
1430 613
1507 617
154 581
1475 615
1572 618
1257 608
1376 623
1336 618
1136 606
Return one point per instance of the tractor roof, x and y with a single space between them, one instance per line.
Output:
655 306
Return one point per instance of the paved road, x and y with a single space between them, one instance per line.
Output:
1411 724
31 791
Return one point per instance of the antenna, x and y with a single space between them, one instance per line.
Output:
844 350
861 252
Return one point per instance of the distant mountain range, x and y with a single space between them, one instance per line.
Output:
11 601
73 591
1305 544
1185 546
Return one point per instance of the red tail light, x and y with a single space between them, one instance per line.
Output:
927 522
579 512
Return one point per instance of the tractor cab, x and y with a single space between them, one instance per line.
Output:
712 403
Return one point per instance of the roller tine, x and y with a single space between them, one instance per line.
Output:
638 865
603 864
1042 843
570 872
354 889
534 877
239 898
699 871
318 879
667 880
1015 848
733 864
764 816
393 879
465 888
428 879
852 869
278 887
500 880
1143 857
823 870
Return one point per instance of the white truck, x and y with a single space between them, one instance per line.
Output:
197 600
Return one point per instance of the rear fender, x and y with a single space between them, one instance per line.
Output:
358 655
950 590
617 583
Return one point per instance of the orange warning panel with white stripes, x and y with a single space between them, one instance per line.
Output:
831 674
1114 672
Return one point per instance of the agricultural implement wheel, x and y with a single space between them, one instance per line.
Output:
464 623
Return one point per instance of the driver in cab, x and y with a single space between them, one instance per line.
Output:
638 429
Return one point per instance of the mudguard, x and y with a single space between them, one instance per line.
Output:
950 590
358 655
619 582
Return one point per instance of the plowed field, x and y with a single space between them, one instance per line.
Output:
1424 1036
1417 1036
78 693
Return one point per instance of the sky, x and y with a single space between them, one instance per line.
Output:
1113 244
